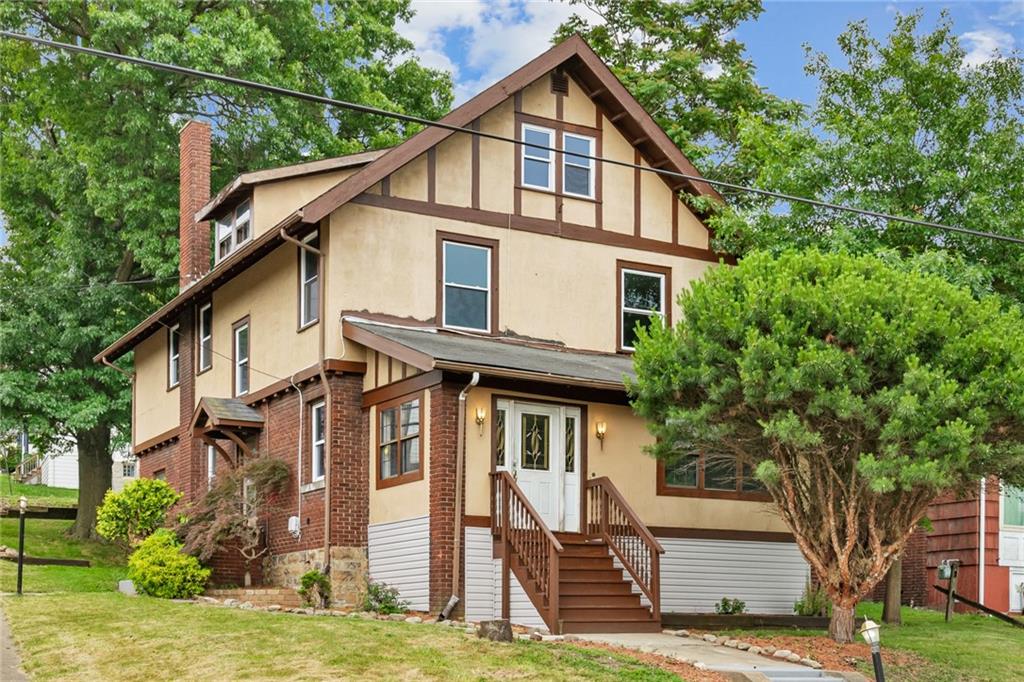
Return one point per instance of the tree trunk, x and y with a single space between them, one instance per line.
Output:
840 626
94 477
248 577
893 593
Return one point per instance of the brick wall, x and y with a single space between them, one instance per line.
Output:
193 193
443 439
914 584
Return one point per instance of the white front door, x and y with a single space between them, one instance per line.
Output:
541 447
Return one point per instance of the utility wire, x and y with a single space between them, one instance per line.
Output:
409 118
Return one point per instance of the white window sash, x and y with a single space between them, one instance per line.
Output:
319 441
241 362
205 338
308 282
588 164
623 308
174 356
469 287
550 160
211 466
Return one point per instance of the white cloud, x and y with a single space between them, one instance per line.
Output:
712 70
501 36
985 44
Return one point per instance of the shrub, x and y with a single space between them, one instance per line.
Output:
160 569
383 599
813 602
728 607
130 516
316 589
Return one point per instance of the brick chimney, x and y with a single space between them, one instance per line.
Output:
193 193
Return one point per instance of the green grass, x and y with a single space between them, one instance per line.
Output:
971 647
45 538
110 636
38 495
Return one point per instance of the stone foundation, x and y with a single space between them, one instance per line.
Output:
349 569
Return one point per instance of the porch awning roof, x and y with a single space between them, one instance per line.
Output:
429 348
229 412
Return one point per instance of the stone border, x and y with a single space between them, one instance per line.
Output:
771 652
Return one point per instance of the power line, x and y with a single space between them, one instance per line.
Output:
409 118
95 285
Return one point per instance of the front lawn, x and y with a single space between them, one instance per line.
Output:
38 495
111 636
971 647
46 538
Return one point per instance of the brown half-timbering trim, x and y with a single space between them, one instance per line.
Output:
235 326
300 252
720 534
621 265
432 175
385 186
476 521
637 182
424 420
475 156
391 362
491 244
675 217
542 226
599 170
559 173
402 387
517 192
556 123
666 490
387 346
156 441
198 351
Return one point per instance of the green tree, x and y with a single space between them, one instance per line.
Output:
904 126
856 391
89 156
682 63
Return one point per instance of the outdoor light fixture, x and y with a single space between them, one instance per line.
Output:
23 504
481 415
599 431
869 630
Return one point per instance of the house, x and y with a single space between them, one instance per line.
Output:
59 467
435 338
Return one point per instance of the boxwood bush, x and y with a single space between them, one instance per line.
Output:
160 569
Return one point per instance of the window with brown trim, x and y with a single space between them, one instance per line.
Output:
696 475
240 356
204 338
642 293
467 282
399 441
309 282
233 230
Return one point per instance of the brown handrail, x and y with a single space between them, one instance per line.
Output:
524 533
611 518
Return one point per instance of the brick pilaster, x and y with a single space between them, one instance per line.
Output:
443 438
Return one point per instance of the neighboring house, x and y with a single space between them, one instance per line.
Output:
60 469
435 337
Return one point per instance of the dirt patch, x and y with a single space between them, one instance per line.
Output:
683 670
833 655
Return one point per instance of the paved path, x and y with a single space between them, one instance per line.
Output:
9 658
694 650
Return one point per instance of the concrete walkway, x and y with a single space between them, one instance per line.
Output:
10 661
691 650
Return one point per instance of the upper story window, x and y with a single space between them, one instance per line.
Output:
398 442
204 338
538 166
241 357
578 171
309 282
318 437
720 476
233 230
466 277
1013 506
173 357
642 296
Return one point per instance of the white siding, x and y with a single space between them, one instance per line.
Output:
696 574
483 584
399 554
61 471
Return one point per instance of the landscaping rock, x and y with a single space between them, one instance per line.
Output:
552 638
781 653
335 612
755 650
710 638
470 630
245 605
810 663
429 621
274 607
573 638
668 632
230 602
365 615
202 598
681 633
523 636
536 636
495 630
793 658
768 650
700 665
126 587
413 619
731 643
396 617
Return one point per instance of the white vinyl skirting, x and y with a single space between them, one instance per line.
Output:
399 555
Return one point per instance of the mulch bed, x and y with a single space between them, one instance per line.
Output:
831 654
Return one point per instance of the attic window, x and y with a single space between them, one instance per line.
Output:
559 83
233 230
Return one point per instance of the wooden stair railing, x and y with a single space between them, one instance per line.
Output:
610 518
526 537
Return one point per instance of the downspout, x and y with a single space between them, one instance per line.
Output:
131 377
981 543
298 458
460 456
328 398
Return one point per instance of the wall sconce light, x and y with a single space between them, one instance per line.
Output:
599 430
481 415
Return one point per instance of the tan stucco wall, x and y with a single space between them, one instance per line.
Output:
156 409
549 287
273 201
622 459
408 500
383 369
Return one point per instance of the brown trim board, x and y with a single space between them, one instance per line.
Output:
491 244
387 346
720 534
419 382
156 441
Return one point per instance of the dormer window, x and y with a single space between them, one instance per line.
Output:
233 230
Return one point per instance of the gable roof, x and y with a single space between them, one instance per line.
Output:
577 56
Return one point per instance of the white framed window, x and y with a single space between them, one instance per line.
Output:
578 171
128 469
318 438
204 334
234 229
241 358
398 446
173 357
1013 506
538 163
642 298
309 282
211 466
467 286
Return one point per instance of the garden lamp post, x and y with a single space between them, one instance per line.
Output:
869 630
22 506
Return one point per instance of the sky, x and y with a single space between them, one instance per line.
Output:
481 41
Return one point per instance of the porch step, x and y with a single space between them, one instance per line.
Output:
603 613
592 600
586 562
585 550
594 588
577 539
589 575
